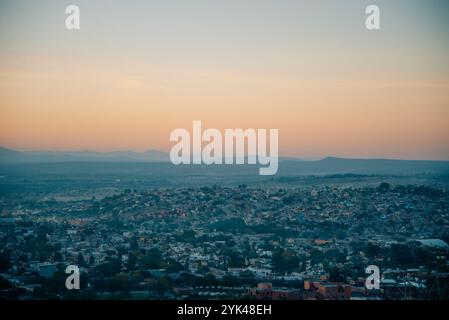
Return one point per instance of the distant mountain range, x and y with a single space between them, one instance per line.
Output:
14 156
287 167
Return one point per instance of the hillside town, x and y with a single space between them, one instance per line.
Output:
229 243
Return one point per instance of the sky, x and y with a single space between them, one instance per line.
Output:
136 70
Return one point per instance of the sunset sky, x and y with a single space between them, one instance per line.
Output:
136 70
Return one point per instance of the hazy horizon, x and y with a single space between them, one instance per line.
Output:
137 70
166 152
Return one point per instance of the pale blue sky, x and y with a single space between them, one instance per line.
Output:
253 35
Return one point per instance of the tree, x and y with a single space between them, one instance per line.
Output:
152 260
383 187
57 256
119 282
132 260
285 261
372 250
4 283
163 284
109 268
401 255
81 262
335 275
235 260
5 260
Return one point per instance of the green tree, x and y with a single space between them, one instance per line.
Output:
5 260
